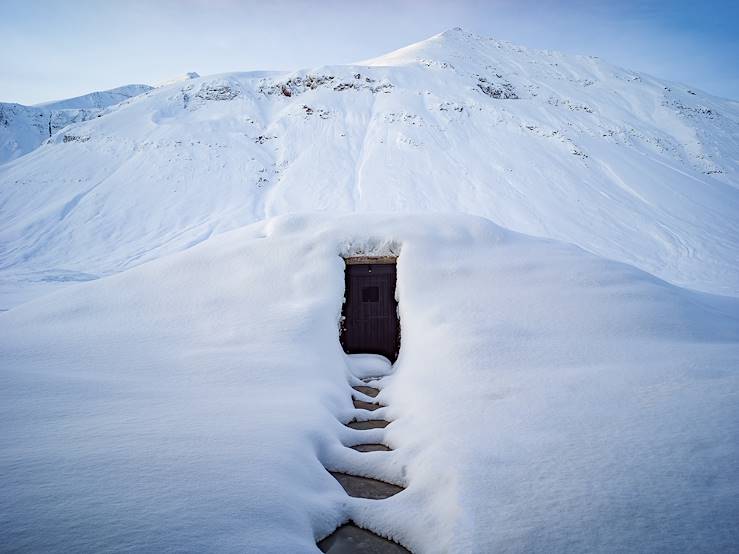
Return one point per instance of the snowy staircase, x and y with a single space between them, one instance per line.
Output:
349 538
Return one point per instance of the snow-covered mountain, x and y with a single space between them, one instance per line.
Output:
544 399
99 99
24 128
568 147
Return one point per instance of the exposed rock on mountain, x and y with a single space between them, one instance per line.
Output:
568 147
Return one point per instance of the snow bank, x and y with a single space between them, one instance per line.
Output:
544 400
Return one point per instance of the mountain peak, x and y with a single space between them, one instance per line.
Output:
452 43
453 32
540 142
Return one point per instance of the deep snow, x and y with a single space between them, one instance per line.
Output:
568 147
544 400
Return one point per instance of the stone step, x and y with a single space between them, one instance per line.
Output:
371 424
369 391
364 487
362 405
372 448
350 539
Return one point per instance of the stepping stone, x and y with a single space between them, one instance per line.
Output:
362 405
364 487
371 424
369 391
372 448
350 539
368 379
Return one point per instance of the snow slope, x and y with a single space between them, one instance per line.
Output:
568 147
24 128
179 79
545 400
97 100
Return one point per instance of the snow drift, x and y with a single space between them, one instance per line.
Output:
568 147
545 400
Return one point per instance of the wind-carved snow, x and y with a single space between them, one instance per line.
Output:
568 147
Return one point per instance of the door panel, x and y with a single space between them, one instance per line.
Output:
370 311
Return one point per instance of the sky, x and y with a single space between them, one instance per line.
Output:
58 49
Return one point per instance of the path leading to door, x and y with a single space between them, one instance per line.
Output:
349 538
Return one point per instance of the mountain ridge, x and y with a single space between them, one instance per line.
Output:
24 128
97 99
623 164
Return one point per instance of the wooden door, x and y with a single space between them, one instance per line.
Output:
370 311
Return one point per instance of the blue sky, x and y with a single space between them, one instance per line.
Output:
57 49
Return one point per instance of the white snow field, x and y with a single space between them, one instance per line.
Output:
25 128
623 164
544 400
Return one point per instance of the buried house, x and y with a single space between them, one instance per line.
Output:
543 399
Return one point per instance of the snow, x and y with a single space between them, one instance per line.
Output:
544 399
99 99
184 77
620 163
25 128
368 365
171 286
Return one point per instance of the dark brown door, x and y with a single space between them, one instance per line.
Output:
370 311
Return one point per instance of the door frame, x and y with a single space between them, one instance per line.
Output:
371 260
